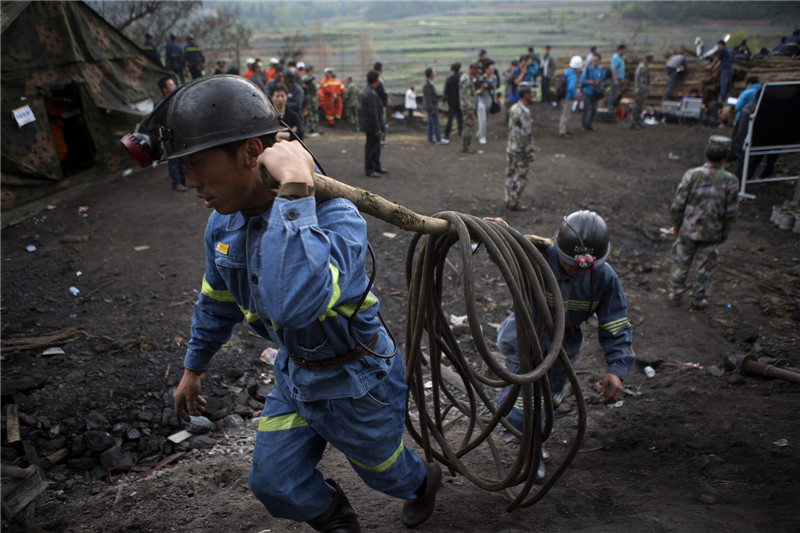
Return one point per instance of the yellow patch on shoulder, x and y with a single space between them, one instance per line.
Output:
222 248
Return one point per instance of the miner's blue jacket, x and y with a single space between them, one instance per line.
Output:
595 291
295 273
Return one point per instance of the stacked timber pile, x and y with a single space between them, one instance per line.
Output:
771 69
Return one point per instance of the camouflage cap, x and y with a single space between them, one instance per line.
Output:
719 141
718 145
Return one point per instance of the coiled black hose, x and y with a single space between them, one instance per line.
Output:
527 276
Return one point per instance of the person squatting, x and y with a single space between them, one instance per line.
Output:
294 269
589 286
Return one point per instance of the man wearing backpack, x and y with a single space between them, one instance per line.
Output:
566 93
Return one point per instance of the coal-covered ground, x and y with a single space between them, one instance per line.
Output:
698 447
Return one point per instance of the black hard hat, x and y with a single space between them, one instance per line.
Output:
148 35
218 110
582 240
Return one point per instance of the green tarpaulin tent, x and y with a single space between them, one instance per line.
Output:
72 85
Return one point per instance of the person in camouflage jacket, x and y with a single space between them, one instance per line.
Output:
642 81
350 100
703 214
469 101
312 102
520 151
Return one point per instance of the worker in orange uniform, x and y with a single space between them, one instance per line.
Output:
337 100
329 92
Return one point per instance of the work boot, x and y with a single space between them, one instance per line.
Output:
699 305
415 512
339 517
674 299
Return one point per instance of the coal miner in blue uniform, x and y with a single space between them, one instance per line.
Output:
294 269
173 55
193 57
150 48
589 287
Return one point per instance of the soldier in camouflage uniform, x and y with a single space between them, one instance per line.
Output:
520 151
312 110
642 80
468 101
702 213
350 100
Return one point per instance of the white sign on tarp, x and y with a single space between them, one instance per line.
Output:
24 115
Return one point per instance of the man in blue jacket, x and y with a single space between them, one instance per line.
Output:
150 49
724 62
747 96
589 287
293 268
193 57
591 80
570 95
617 76
173 55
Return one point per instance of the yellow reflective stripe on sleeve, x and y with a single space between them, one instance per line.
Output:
220 296
615 326
337 292
384 465
347 310
279 423
250 316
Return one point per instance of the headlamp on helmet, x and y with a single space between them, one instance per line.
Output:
205 113
582 240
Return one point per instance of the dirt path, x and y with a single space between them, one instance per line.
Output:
693 449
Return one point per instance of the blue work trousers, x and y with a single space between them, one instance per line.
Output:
672 78
507 344
725 77
434 132
292 436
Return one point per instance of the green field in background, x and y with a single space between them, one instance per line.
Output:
407 46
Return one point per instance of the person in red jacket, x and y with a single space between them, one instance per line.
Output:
339 89
328 95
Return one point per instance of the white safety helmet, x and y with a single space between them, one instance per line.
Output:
576 62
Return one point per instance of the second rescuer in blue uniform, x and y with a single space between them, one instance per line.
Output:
589 286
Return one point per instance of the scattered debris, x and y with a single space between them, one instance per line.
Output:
268 356
12 425
179 437
74 239
62 336
141 248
